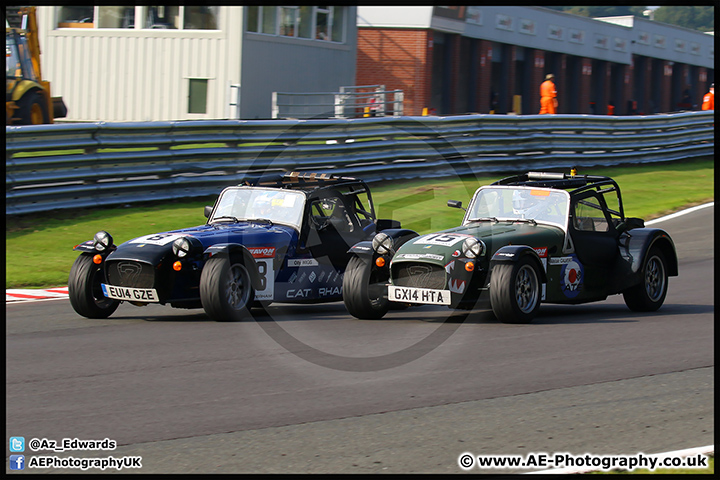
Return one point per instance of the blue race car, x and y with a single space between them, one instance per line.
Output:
280 238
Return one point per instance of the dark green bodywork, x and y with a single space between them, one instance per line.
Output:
548 246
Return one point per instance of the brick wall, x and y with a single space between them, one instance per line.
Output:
484 80
666 87
400 59
455 73
629 79
585 85
538 77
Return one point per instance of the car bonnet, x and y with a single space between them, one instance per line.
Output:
263 240
441 247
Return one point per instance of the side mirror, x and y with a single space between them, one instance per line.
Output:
384 223
455 204
208 211
634 223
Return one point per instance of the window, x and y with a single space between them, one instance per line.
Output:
201 18
269 20
162 16
116 17
589 215
288 21
253 14
197 95
319 23
305 22
76 17
612 202
140 17
338 24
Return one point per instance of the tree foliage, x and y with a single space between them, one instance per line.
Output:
697 18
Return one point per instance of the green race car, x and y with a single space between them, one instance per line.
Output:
540 237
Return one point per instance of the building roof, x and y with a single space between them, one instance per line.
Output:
614 39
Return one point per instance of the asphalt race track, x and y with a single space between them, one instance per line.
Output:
309 389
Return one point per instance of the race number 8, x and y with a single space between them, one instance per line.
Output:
262 268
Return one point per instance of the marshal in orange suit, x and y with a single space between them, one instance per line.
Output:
548 95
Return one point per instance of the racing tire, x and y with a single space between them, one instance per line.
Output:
649 295
85 292
515 291
32 109
226 291
364 295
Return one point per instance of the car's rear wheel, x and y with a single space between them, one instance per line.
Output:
225 289
85 291
650 294
364 292
515 291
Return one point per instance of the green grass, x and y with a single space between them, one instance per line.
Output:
39 248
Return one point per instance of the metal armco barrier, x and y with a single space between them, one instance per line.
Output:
64 166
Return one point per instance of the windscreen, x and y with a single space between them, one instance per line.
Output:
252 203
544 205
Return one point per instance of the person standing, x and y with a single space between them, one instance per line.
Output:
709 99
548 95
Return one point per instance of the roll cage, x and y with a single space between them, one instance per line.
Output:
578 186
316 185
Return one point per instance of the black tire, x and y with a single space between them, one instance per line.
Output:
32 109
364 294
650 294
226 290
515 291
84 289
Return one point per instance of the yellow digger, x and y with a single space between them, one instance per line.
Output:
27 95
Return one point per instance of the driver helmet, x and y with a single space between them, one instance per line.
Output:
263 205
523 202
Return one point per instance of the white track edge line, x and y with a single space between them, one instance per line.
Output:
680 213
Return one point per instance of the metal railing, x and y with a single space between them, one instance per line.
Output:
350 102
65 166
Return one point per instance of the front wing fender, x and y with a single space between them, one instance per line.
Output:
239 252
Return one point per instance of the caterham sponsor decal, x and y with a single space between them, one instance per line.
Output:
302 262
306 293
416 256
442 239
262 252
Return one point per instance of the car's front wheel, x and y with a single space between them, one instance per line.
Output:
364 293
85 291
650 294
225 289
515 291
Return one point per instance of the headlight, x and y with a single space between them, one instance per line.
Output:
473 248
382 243
102 241
181 247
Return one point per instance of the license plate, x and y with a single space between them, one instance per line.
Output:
418 295
130 294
